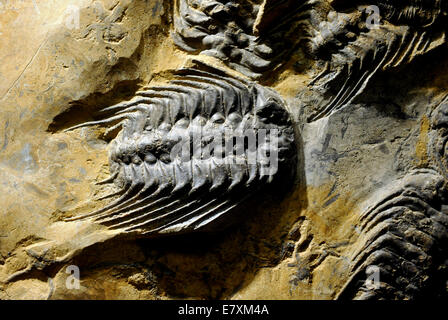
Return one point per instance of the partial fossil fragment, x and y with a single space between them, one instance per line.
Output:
354 52
404 236
251 37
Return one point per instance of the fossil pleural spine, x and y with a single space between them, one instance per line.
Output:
405 236
164 190
355 52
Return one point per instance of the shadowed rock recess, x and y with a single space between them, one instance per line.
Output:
219 149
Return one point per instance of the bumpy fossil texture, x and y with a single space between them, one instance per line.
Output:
245 35
176 160
439 138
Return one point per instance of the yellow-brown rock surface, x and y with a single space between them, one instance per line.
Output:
56 70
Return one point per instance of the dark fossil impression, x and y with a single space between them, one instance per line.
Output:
190 152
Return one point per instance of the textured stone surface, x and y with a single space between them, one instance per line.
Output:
364 184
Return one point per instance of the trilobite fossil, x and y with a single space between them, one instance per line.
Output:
252 37
355 52
190 152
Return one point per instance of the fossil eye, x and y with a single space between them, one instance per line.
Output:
165 158
218 118
136 159
126 159
150 158
183 123
200 120
165 126
234 118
